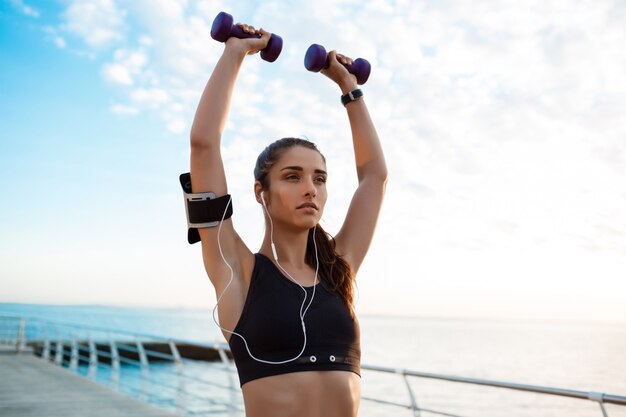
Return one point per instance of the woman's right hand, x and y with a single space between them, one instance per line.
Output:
249 46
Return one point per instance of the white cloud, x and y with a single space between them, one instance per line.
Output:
152 97
52 34
124 110
24 8
177 125
146 41
59 42
128 64
117 74
98 23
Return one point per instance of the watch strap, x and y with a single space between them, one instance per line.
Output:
351 96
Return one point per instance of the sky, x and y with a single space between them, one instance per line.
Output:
502 124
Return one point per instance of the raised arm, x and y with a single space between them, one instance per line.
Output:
354 237
207 168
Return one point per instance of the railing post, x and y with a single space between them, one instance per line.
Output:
226 363
58 354
74 356
142 356
599 398
231 380
414 407
175 353
181 398
45 354
115 365
21 343
93 359
144 370
224 358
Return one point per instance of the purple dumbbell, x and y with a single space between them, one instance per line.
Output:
316 59
223 29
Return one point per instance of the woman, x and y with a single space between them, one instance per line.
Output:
295 343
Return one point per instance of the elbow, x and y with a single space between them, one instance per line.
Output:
196 141
383 179
375 176
379 172
373 172
200 142
383 174
380 176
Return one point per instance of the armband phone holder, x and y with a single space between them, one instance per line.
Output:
203 209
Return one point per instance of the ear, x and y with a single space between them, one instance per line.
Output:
258 189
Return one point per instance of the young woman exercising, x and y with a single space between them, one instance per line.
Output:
287 311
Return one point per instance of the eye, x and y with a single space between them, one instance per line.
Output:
292 177
321 179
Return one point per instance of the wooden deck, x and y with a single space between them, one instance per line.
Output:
30 387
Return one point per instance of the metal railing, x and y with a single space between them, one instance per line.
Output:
68 345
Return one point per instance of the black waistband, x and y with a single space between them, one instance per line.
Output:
320 360
327 359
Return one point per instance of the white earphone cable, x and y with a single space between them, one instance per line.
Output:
232 273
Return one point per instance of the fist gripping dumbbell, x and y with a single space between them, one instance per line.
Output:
316 59
223 28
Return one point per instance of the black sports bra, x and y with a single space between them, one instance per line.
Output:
270 322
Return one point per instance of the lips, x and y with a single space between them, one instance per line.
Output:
307 205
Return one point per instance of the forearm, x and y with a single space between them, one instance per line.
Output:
368 153
210 118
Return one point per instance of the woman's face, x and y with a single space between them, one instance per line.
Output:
297 192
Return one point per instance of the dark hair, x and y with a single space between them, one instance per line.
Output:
335 273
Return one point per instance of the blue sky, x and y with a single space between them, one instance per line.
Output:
502 124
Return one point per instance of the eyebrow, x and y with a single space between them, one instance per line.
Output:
299 168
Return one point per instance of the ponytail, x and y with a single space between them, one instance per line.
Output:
335 273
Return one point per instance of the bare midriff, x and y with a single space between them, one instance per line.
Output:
304 394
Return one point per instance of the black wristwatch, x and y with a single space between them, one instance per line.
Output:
351 96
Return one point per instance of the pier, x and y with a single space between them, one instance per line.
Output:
31 387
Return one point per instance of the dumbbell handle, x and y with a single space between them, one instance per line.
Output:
223 28
239 33
317 59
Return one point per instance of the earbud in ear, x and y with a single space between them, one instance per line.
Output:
263 200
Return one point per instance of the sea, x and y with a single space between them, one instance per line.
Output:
576 355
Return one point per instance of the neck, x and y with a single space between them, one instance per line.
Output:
290 246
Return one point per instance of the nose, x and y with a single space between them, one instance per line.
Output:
310 190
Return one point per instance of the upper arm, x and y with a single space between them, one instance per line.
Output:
207 174
355 236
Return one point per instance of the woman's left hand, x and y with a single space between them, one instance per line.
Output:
337 72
